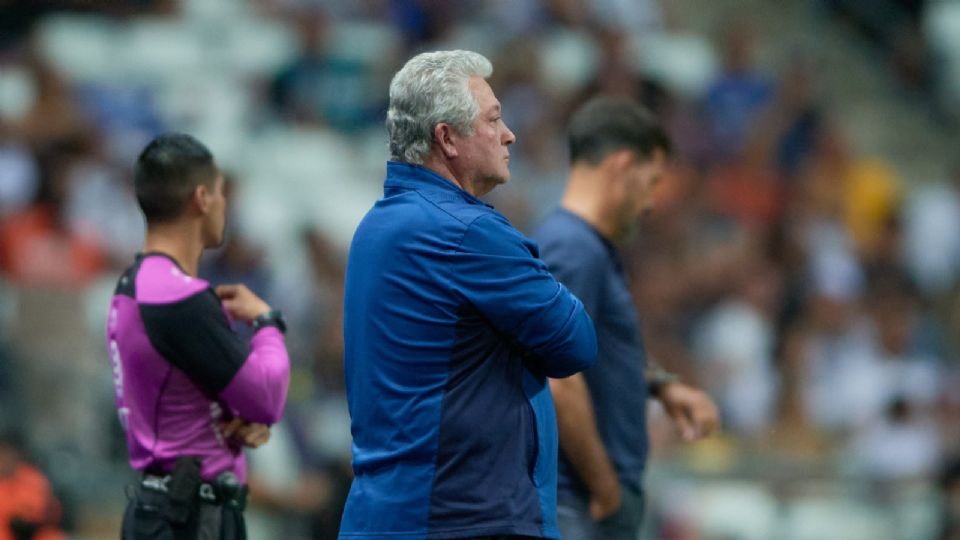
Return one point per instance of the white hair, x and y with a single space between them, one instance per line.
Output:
432 88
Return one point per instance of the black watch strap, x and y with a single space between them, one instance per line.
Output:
657 378
271 318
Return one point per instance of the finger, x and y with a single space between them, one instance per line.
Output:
262 438
243 432
707 419
257 438
684 424
713 420
262 433
250 433
705 411
232 427
226 291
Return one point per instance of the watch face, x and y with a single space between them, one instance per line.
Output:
271 318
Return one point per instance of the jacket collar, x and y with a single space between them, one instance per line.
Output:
417 177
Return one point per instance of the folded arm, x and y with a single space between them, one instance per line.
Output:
496 269
194 335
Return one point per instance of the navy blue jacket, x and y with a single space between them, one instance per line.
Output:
451 325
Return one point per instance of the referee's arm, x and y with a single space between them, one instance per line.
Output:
195 336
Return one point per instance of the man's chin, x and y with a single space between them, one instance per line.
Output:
491 181
214 243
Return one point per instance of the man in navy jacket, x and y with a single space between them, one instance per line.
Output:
618 153
452 326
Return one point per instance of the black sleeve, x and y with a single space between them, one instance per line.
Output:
195 336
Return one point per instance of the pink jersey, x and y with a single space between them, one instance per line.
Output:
179 370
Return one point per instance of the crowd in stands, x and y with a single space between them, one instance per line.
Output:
811 289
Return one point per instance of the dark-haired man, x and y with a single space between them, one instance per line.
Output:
189 392
618 153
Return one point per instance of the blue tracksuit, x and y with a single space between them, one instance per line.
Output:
451 325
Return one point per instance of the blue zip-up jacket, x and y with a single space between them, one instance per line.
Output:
451 325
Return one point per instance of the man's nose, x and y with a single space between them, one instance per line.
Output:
509 137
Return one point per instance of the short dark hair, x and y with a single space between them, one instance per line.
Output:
607 124
168 170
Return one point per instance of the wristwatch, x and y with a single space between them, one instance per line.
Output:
271 318
657 378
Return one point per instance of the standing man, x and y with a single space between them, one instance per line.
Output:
452 325
618 153
189 392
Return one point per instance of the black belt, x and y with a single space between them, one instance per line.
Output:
213 493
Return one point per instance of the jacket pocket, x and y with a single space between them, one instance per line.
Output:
533 443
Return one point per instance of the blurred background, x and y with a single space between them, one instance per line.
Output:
802 264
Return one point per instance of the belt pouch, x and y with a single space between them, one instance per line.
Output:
182 490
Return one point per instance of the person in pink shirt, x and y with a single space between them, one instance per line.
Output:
190 393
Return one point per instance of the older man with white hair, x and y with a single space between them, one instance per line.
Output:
452 325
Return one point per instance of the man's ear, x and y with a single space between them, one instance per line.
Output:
443 134
619 161
200 199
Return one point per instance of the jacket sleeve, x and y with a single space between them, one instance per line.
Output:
194 335
496 270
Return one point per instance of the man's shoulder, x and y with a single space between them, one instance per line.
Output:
430 204
458 208
563 233
160 280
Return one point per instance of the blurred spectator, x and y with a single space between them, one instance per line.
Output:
517 17
873 196
37 246
28 508
312 462
53 118
748 189
287 494
322 87
795 434
296 92
627 15
735 345
618 74
899 446
329 267
797 115
423 21
931 247
124 115
736 99
19 177
863 361
100 205
838 391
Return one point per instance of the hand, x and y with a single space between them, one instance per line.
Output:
693 412
241 303
606 503
249 434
